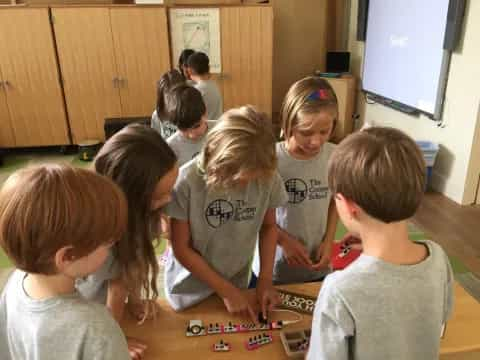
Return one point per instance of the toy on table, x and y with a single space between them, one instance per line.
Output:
258 341
296 342
221 346
345 252
196 327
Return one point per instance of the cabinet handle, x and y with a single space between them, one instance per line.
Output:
115 82
7 84
122 81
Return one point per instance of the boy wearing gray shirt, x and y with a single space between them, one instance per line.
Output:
74 217
198 68
186 110
392 302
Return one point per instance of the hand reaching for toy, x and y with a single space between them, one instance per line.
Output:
143 310
324 254
295 252
237 302
136 349
267 296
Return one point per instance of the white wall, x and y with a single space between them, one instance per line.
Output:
461 108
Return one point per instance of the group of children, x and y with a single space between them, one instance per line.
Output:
239 207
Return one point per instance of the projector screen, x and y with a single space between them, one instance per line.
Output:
404 56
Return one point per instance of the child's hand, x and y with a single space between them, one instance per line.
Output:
237 302
136 348
267 296
295 253
140 311
324 254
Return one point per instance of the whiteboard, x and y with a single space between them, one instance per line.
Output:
197 29
404 56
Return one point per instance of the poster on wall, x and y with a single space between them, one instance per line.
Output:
197 29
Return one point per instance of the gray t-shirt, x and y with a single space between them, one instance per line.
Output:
164 127
212 98
305 215
63 327
374 310
224 227
187 149
94 287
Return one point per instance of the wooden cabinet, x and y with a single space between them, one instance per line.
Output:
344 88
111 58
31 102
247 50
7 139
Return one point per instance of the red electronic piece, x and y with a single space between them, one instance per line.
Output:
344 253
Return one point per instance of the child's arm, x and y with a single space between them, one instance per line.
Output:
116 296
325 249
294 251
234 299
266 293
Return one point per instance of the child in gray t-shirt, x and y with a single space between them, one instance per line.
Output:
160 120
392 302
308 221
198 68
185 109
222 201
74 217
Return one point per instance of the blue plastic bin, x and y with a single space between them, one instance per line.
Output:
430 151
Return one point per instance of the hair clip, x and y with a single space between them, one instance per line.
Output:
320 94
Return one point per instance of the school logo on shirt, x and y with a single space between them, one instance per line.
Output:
298 190
219 212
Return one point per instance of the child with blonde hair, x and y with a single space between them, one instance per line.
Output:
391 302
221 204
307 223
57 224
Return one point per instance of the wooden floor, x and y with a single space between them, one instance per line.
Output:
456 228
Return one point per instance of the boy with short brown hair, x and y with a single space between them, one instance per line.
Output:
392 302
57 223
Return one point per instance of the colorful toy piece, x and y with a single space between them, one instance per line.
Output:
258 341
221 346
196 328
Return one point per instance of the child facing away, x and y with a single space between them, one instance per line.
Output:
57 223
198 68
222 201
392 301
307 223
185 109
159 120
141 163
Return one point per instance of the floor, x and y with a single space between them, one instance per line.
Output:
454 227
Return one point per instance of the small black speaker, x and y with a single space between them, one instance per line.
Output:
456 11
362 16
338 62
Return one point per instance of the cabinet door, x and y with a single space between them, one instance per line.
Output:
31 79
247 48
141 45
85 50
7 139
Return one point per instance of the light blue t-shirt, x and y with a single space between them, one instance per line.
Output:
65 327
305 214
224 227
374 310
